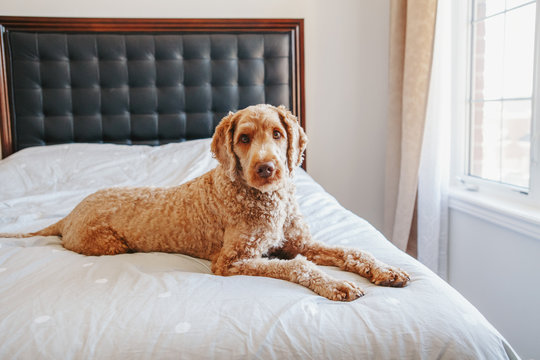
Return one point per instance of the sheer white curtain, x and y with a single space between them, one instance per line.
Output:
435 157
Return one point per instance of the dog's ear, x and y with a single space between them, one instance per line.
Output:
222 145
296 137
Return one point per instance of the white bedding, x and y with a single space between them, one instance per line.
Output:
57 304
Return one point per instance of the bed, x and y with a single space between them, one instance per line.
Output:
92 103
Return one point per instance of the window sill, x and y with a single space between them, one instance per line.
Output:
519 218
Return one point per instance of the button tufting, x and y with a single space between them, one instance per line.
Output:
140 88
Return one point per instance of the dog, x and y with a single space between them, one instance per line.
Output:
242 215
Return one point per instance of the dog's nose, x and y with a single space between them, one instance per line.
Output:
266 169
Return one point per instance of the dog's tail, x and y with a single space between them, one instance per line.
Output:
52 230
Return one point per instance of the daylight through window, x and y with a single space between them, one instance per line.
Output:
501 90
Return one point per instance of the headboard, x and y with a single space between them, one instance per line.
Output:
141 81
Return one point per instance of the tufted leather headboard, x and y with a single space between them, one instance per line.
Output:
140 81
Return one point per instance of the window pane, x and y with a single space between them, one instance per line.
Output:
510 4
483 8
488 58
485 152
519 52
516 142
502 72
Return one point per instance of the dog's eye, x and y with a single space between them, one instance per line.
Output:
277 135
244 138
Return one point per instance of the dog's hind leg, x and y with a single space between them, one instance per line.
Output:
96 240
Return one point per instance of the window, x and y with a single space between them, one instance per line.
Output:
495 112
501 91
501 143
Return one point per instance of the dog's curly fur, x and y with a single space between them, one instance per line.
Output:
242 215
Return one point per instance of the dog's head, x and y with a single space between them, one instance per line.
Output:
261 145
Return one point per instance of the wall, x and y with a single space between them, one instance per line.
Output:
497 270
346 50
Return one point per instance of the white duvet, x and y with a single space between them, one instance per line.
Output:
57 304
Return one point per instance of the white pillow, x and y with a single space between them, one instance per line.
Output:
46 169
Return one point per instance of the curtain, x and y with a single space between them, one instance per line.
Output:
432 231
412 31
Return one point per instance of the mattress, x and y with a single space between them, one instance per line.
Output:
57 304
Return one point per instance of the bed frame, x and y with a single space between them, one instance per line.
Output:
141 81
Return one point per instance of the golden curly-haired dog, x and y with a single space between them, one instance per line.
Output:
242 215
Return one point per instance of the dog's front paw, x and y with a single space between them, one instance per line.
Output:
386 275
342 291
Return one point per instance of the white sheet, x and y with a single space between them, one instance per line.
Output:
57 304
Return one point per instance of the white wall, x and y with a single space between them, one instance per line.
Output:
346 51
498 271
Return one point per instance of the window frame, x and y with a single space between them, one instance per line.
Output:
506 194
500 204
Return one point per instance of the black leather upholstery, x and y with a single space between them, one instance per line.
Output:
140 88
